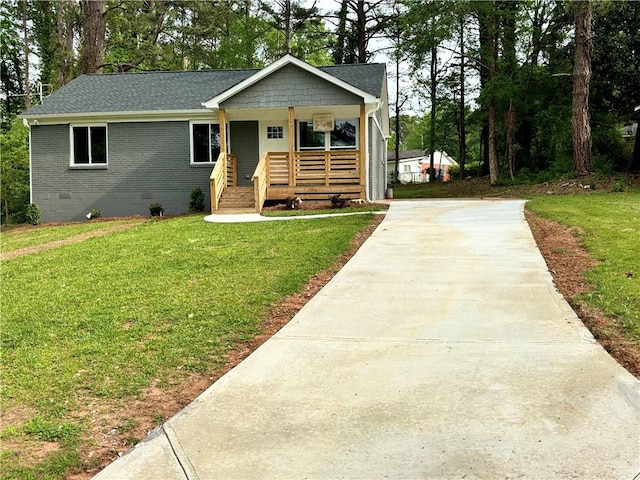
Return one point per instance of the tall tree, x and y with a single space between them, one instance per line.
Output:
357 23
93 36
11 62
290 17
429 24
460 120
25 47
582 155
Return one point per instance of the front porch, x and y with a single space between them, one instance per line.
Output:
310 175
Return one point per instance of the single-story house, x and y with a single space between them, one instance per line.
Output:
414 166
120 142
409 170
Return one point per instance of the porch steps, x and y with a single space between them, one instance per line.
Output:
237 200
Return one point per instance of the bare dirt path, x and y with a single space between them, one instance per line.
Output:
66 241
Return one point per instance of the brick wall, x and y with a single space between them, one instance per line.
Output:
147 163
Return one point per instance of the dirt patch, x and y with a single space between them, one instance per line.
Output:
320 205
67 241
568 263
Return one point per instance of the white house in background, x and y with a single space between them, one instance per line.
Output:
414 166
410 170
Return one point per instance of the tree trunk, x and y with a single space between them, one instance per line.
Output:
397 142
582 158
287 26
484 38
64 46
361 27
432 126
510 126
462 134
27 87
93 32
493 56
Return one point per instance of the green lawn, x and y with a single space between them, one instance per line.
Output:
611 226
106 317
28 236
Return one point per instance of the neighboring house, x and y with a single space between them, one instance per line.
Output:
414 166
119 142
409 170
441 163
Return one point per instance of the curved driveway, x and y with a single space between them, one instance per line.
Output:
441 350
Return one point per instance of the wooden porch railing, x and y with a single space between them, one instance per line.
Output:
327 167
335 167
223 175
260 182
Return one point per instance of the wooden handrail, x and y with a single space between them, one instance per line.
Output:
218 180
260 181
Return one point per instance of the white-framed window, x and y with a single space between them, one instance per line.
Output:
343 136
275 132
88 145
205 143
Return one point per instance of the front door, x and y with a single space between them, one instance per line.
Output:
244 144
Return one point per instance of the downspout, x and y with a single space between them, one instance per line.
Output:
368 112
372 109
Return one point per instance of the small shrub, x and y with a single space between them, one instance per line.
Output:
94 214
32 215
156 209
338 202
196 203
619 186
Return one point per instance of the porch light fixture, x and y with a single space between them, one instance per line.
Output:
323 122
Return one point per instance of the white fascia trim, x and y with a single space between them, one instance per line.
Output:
118 117
215 102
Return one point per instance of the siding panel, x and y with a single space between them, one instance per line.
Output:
291 86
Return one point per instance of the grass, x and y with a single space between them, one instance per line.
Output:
611 232
107 317
13 239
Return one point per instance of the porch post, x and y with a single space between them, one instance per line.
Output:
292 132
222 118
363 144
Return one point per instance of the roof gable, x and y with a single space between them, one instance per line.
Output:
274 67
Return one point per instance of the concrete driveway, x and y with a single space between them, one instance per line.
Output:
441 350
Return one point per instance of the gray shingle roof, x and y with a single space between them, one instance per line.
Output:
172 91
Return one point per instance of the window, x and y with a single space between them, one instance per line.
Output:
205 142
344 135
89 145
310 140
275 132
